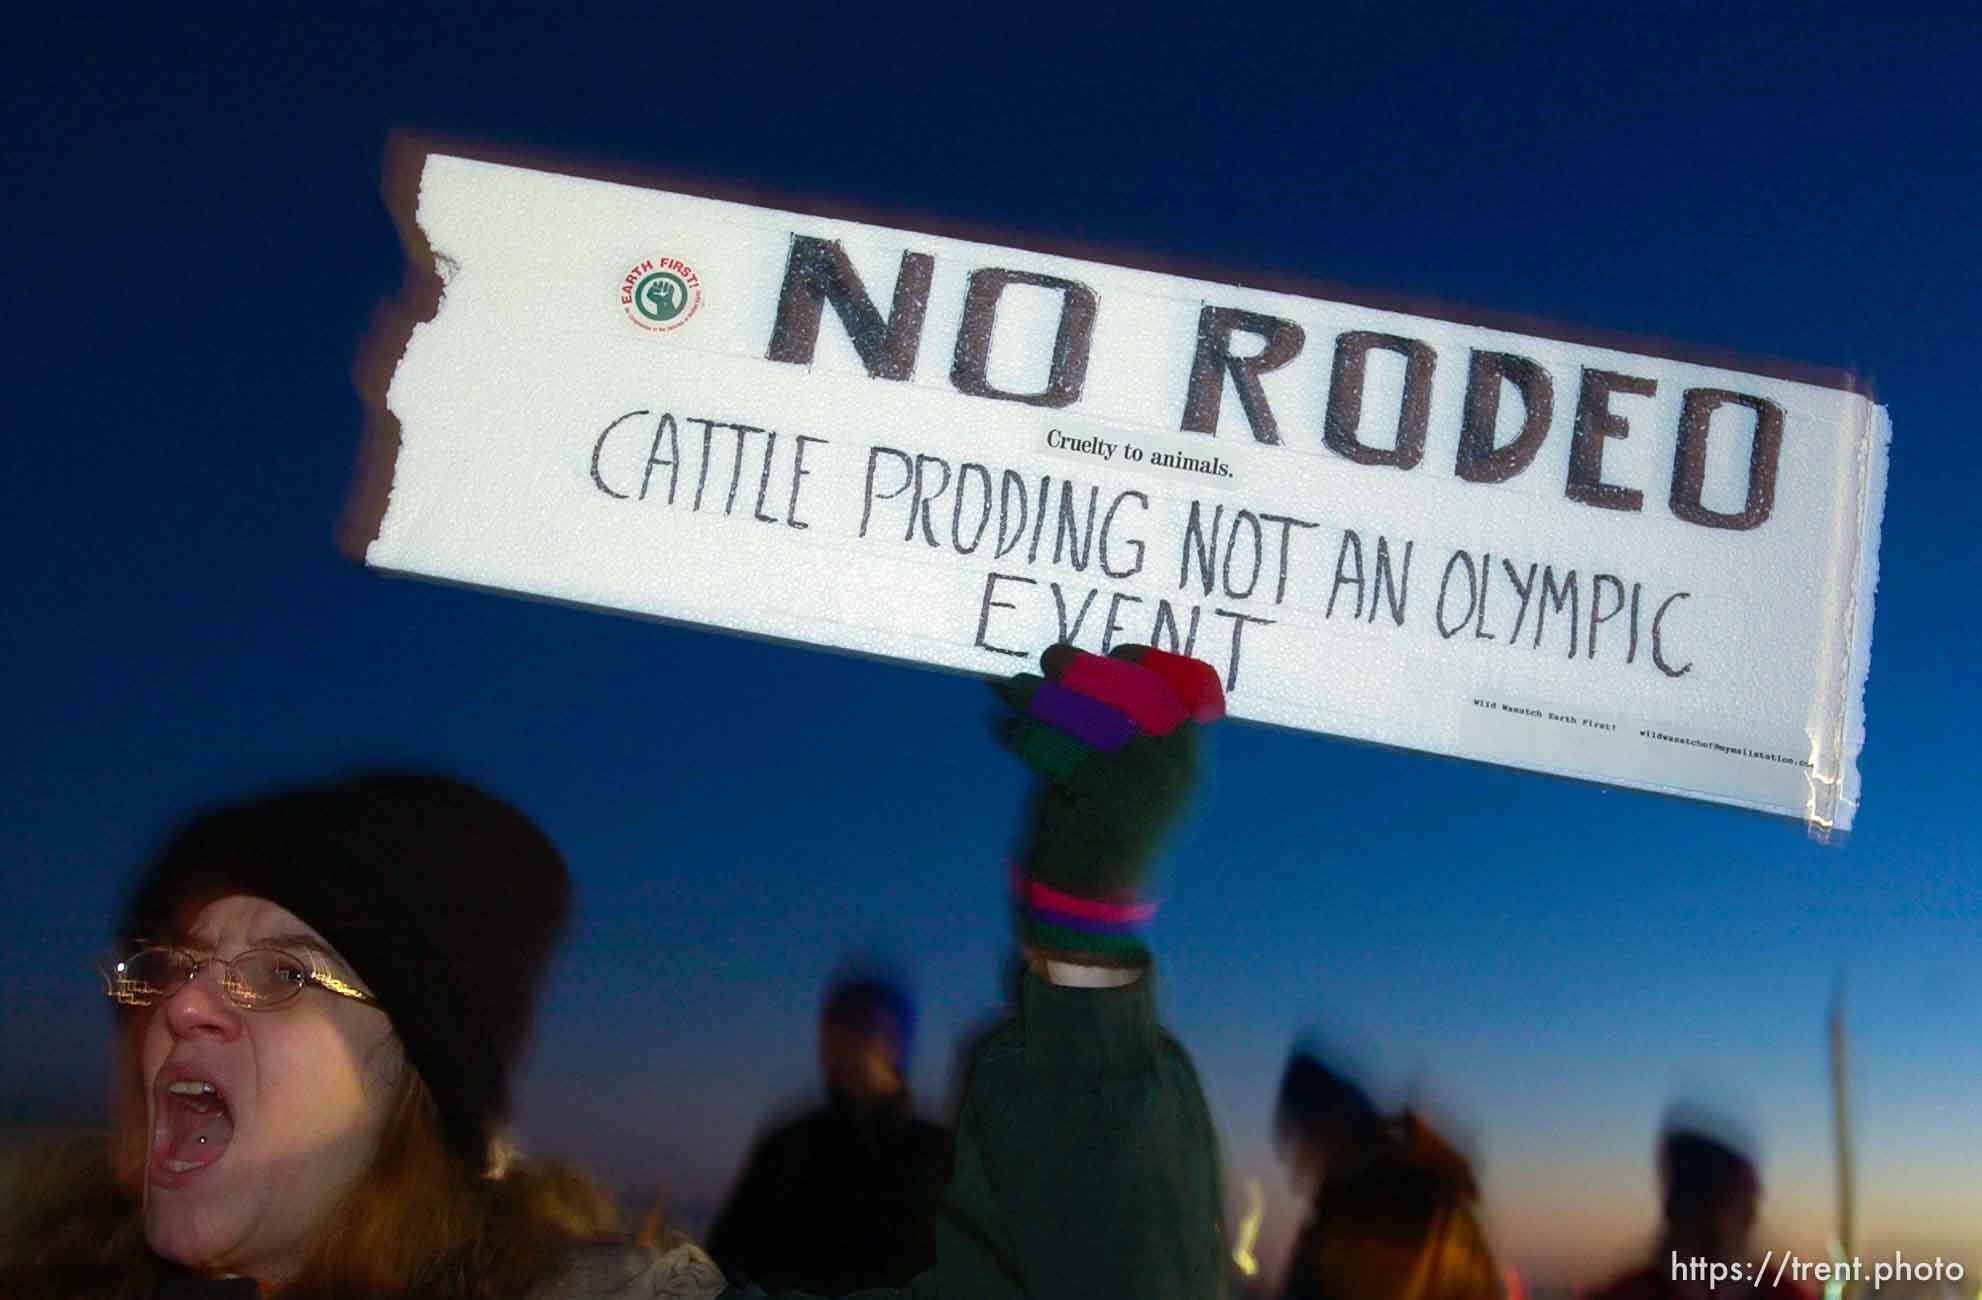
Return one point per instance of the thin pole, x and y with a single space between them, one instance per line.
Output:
1847 1228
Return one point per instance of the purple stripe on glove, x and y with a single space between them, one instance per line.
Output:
1143 695
1084 924
1087 720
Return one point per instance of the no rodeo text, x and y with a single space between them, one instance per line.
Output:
818 272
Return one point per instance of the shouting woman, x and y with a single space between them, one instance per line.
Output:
321 994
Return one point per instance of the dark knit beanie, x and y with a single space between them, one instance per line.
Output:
1317 1104
870 1004
445 900
1700 1173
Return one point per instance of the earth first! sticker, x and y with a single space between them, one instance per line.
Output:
660 294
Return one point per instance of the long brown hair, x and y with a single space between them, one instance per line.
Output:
1405 1226
419 1223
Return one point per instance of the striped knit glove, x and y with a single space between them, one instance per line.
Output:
1114 742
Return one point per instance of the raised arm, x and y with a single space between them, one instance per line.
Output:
1086 1163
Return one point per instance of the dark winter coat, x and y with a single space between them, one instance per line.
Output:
1086 1163
840 1198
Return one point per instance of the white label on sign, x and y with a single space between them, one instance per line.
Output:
1399 528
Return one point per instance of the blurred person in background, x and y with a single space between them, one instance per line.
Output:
845 1195
1711 1194
1393 1208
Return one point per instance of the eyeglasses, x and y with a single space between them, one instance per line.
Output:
259 979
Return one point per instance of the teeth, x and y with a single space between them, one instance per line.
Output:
181 1166
190 1087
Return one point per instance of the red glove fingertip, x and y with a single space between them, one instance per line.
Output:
1147 698
1194 681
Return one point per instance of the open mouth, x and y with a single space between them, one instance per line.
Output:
191 1131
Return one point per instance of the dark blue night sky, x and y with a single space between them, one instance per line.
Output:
197 246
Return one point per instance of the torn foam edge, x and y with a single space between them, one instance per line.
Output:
1832 802
382 352
440 268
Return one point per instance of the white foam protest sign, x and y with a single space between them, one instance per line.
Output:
1522 549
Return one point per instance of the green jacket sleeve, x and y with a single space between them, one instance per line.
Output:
1086 1163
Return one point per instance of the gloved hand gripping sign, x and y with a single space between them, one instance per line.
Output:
1114 741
